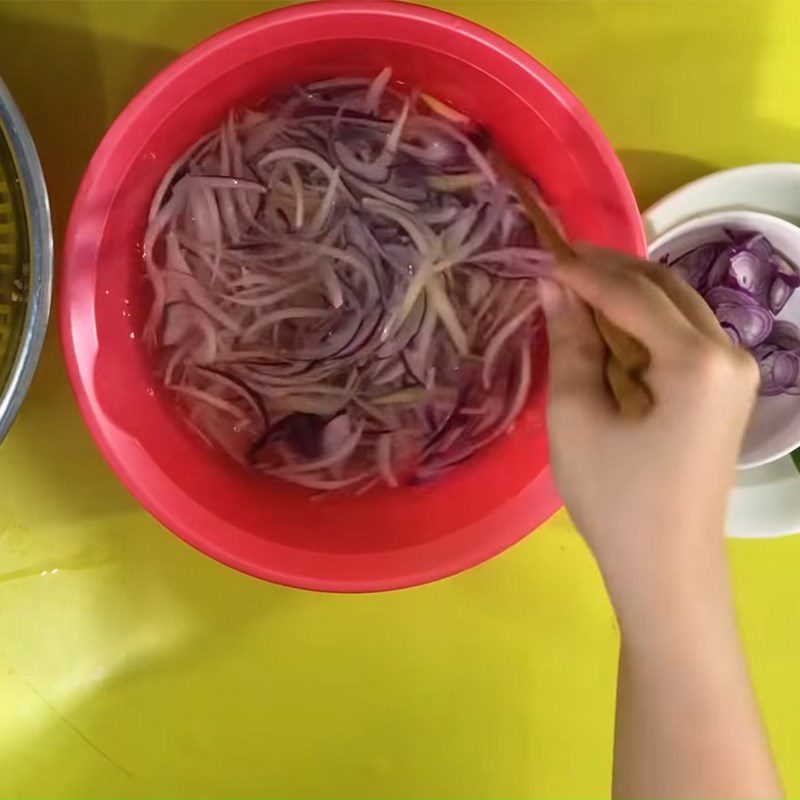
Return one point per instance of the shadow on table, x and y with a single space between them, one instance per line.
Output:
653 174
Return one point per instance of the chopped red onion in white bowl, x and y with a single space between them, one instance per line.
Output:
743 265
344 291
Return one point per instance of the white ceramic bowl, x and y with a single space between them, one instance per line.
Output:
774 428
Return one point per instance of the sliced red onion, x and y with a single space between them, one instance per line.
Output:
383 452
780 371
372 101
694 265
779 293
751 324
732 332
747 283
785 270
343 299
757 245
727 295
785 335
750 273
374 172
717 271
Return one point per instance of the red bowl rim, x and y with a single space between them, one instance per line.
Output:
542 485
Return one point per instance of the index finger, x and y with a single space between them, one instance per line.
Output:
628 297
689 302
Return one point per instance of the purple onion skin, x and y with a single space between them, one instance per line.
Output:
746 283
785 335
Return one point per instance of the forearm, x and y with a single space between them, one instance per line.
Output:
649 493
687 721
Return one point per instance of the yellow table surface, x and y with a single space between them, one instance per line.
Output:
132 666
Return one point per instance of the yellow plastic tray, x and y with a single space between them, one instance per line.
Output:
131 666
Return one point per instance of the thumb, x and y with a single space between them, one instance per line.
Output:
577 352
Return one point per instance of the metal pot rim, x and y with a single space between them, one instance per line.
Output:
40 240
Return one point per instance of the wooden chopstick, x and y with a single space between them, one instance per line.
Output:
628 357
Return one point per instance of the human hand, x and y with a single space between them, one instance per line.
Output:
649 495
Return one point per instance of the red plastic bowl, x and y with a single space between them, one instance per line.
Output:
393 538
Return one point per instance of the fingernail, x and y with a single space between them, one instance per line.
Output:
552 297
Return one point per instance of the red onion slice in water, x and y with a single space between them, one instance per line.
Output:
344 290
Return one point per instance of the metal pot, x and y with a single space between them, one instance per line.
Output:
26 259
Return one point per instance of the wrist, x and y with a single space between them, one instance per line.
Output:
668 579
